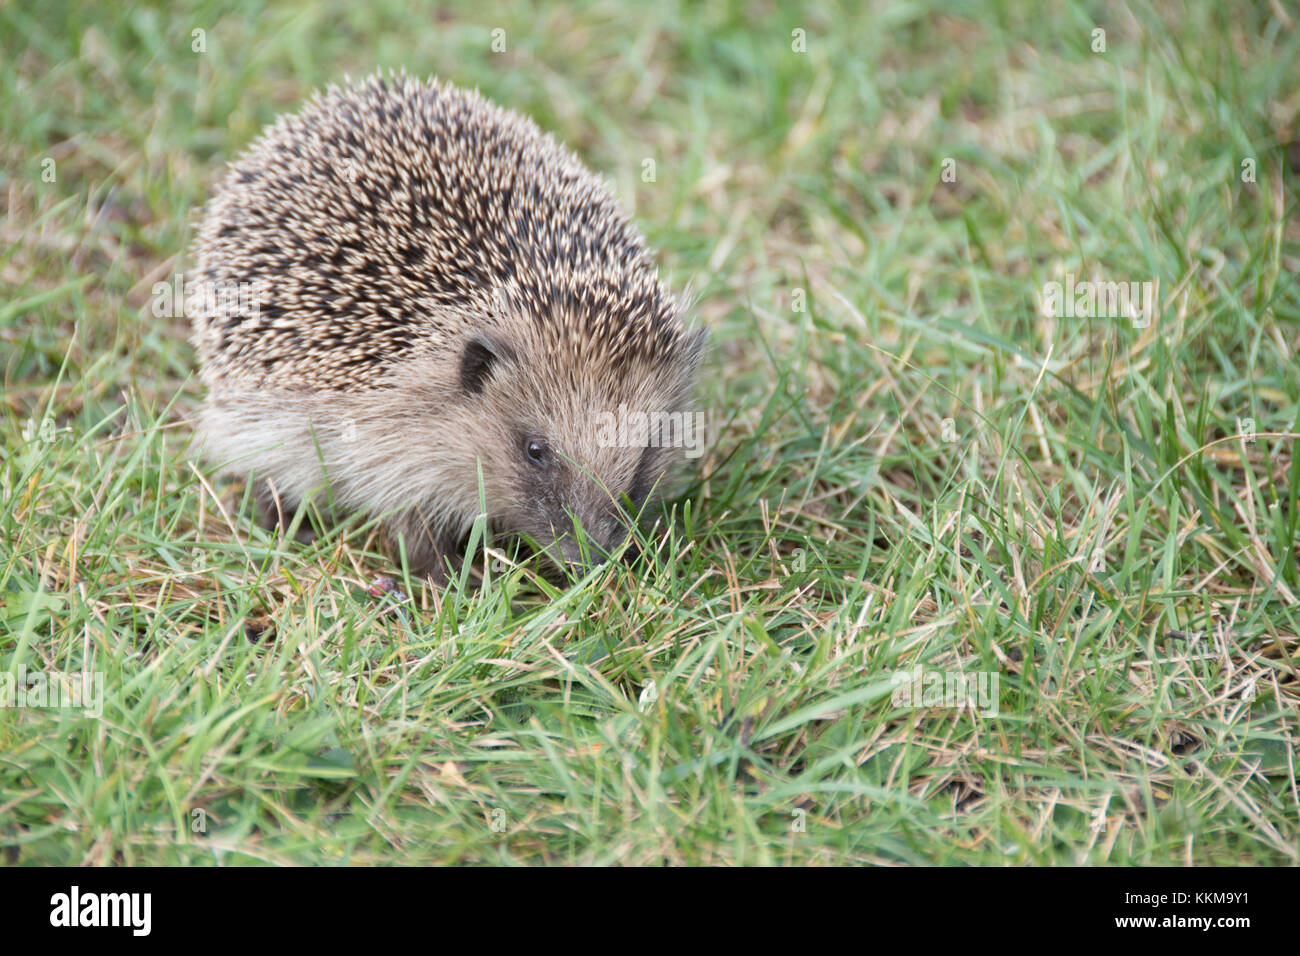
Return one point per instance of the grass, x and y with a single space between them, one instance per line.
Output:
911 464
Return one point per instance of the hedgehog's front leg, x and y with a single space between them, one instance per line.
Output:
429 552
276 510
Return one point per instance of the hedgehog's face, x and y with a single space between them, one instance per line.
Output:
569 462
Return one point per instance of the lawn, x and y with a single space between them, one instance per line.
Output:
992 555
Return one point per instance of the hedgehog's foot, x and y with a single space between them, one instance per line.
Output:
276 511
428 552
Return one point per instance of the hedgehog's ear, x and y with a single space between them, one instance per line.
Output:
480 357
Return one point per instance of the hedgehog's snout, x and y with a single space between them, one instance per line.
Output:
591 544
578 558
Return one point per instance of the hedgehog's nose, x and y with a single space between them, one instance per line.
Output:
581 557
589 546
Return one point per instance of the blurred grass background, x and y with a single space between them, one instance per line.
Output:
912 465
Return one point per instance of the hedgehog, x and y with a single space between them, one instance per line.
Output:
417 306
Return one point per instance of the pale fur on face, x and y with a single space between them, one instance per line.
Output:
410 450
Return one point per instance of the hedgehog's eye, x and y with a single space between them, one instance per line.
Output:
536 451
